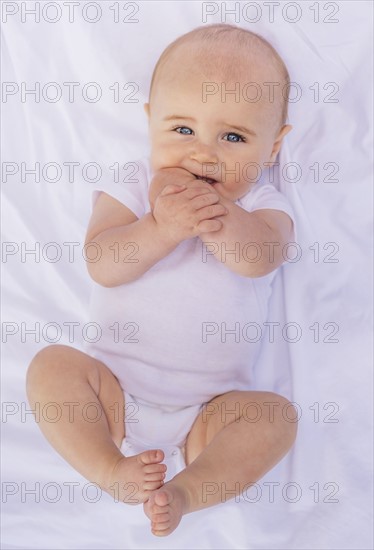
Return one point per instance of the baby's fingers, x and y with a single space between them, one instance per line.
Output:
207 226
172 188
205 199
210 212
194 192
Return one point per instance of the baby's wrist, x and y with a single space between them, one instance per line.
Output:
161 234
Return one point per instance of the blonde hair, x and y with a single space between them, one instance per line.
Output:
210 36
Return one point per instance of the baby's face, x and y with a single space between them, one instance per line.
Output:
225 138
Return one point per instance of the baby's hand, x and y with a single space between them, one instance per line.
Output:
176 176
183 212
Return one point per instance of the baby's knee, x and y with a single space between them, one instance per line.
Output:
47 361
285 417
46 356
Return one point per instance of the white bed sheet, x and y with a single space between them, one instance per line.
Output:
323 492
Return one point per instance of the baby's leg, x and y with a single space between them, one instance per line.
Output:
235 440
86 390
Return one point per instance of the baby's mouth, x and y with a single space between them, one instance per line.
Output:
208 180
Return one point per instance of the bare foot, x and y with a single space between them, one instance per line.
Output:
165 508
134 478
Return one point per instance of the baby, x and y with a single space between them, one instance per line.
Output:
187 252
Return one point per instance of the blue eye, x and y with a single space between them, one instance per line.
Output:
234 138
183 130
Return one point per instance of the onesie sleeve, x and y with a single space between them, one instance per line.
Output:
263 196
131 190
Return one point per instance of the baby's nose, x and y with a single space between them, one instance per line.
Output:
203 153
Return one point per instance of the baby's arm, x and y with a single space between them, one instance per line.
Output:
126 247
267 229
250 243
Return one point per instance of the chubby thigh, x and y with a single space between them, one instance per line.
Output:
263 408
71 368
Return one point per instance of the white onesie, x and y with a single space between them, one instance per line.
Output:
189 328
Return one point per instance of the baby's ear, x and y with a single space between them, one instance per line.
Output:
278 141
146 109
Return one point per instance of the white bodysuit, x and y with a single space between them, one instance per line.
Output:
189 328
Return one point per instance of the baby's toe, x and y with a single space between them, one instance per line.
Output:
152 485
160 519
157 476
162 530
160 527
157 510
163 498
151 457
155 468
